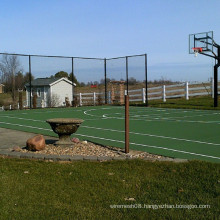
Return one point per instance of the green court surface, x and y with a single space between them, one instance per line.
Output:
190 134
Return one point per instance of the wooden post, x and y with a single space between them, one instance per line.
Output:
126 124
20 100
34 101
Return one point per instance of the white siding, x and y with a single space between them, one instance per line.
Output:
62 89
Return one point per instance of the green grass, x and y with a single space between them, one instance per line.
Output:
200 102
85 190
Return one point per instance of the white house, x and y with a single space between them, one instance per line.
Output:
51 92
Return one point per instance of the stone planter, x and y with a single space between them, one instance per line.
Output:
64 127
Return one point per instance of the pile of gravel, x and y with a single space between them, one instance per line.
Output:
85 148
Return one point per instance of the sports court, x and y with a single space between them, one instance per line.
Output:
189 134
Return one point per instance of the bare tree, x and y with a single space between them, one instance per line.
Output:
9 66
53 101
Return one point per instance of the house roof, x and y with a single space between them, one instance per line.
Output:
47 81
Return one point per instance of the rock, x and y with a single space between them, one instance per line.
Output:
84 142
36 143
129 199
75 140
16 149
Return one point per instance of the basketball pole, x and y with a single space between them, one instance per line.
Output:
216 78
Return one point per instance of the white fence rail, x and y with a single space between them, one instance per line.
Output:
154 93
162 92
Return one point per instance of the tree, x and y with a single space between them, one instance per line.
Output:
74 79
19 78
53 101
61 74
9 66
82 84
102 81
132 81
26 78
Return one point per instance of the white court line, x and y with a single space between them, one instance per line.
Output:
42 112
152 135
105 116
151 146
27 126
169 110
163 119
136 133
28 119
175 117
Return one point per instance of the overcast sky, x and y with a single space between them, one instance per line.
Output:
111 28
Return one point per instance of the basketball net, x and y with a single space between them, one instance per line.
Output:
197 50
196 53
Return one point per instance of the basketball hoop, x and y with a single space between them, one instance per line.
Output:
197 50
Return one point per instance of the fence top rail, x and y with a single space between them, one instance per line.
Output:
135 90
69 57
199 83
138 55
200 88
152 88
175 85
50 56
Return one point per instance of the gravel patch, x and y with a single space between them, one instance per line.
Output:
94 150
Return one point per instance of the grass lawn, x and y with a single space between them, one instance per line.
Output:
86 190
199 102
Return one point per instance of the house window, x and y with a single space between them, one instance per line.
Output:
38 92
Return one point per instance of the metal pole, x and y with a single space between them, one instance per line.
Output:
216 78
30 80
127 72
215 86
126 124
72 84
105 74
146 93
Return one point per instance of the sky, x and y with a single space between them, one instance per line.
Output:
112 28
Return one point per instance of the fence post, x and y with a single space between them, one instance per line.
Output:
94 98
143 95
10 107
212 87
18 106
187 90
164 93
80 99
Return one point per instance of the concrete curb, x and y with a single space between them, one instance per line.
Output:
53 157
